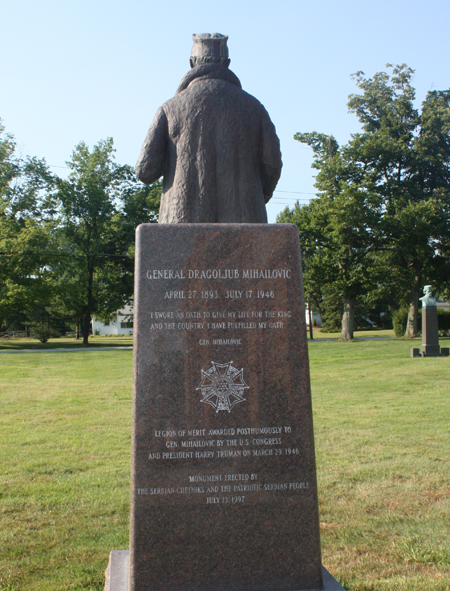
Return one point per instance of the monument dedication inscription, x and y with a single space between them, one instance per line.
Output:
223 488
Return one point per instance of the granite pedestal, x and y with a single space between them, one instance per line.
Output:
223 492
430 334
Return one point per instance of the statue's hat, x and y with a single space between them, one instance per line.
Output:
210 48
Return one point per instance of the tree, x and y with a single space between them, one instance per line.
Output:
407 155
26 236
99 203
396 175
67 245
139 204
338 233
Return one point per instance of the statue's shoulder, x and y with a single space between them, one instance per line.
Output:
428 301
251 99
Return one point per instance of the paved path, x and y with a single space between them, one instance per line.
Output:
67 350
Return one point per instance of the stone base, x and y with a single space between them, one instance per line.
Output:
116 574
444 352
431 351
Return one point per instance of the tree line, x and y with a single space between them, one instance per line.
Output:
379 228
67 244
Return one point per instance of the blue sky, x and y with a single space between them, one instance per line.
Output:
88 70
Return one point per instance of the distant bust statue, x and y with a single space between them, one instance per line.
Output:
428 299
214 144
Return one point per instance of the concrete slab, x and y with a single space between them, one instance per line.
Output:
116 574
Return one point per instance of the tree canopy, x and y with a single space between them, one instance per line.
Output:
379 227
68 243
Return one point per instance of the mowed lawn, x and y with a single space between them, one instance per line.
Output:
382 428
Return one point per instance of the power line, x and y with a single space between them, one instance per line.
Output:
294 192
291 200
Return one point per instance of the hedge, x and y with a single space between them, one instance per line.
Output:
400 317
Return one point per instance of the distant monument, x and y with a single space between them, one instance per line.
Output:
223 478
428 301
430 333
214 144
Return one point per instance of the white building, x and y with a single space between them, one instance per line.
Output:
443 305
122 323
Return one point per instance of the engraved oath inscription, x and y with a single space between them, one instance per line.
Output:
223 473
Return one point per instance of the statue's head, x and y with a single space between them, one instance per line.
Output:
209 49
428 290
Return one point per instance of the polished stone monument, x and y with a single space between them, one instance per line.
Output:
224 489
223 492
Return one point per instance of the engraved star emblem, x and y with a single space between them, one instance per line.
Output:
222 386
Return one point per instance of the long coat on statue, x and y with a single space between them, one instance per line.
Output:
217 149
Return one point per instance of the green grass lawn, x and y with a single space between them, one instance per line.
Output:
382 429
358 334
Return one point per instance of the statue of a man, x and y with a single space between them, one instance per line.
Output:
428 299
214 144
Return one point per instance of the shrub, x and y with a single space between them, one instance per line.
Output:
399 318
43 333
443 322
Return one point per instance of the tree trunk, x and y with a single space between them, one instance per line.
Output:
90 304
86 323
77 330
411 322
348 320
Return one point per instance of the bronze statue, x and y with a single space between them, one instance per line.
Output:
428 298
214 144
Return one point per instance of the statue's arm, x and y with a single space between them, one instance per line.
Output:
270 156
151 162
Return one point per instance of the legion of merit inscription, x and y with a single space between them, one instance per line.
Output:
223 450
